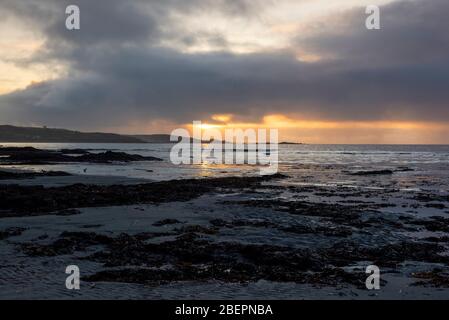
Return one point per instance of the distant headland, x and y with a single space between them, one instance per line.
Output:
10 133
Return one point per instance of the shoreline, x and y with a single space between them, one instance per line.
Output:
238 236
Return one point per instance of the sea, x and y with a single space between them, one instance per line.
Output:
414 167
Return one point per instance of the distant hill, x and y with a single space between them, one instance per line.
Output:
32 134
153 138
159 138
287 142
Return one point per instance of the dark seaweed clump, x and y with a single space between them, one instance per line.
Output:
32 200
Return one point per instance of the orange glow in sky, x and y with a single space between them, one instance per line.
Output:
321 131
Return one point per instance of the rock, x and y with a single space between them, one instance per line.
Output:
110 156
192 258
436 278
74 151
29 155
9 175
34 200
440 206
11 232
371 173
166 222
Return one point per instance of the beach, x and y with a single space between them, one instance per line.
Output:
139 227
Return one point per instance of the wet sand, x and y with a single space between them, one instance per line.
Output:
221 238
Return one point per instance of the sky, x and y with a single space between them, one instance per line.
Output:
307 67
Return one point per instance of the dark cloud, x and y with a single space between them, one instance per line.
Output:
412 32
118 22
118 73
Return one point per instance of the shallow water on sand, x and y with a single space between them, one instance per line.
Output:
415 167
